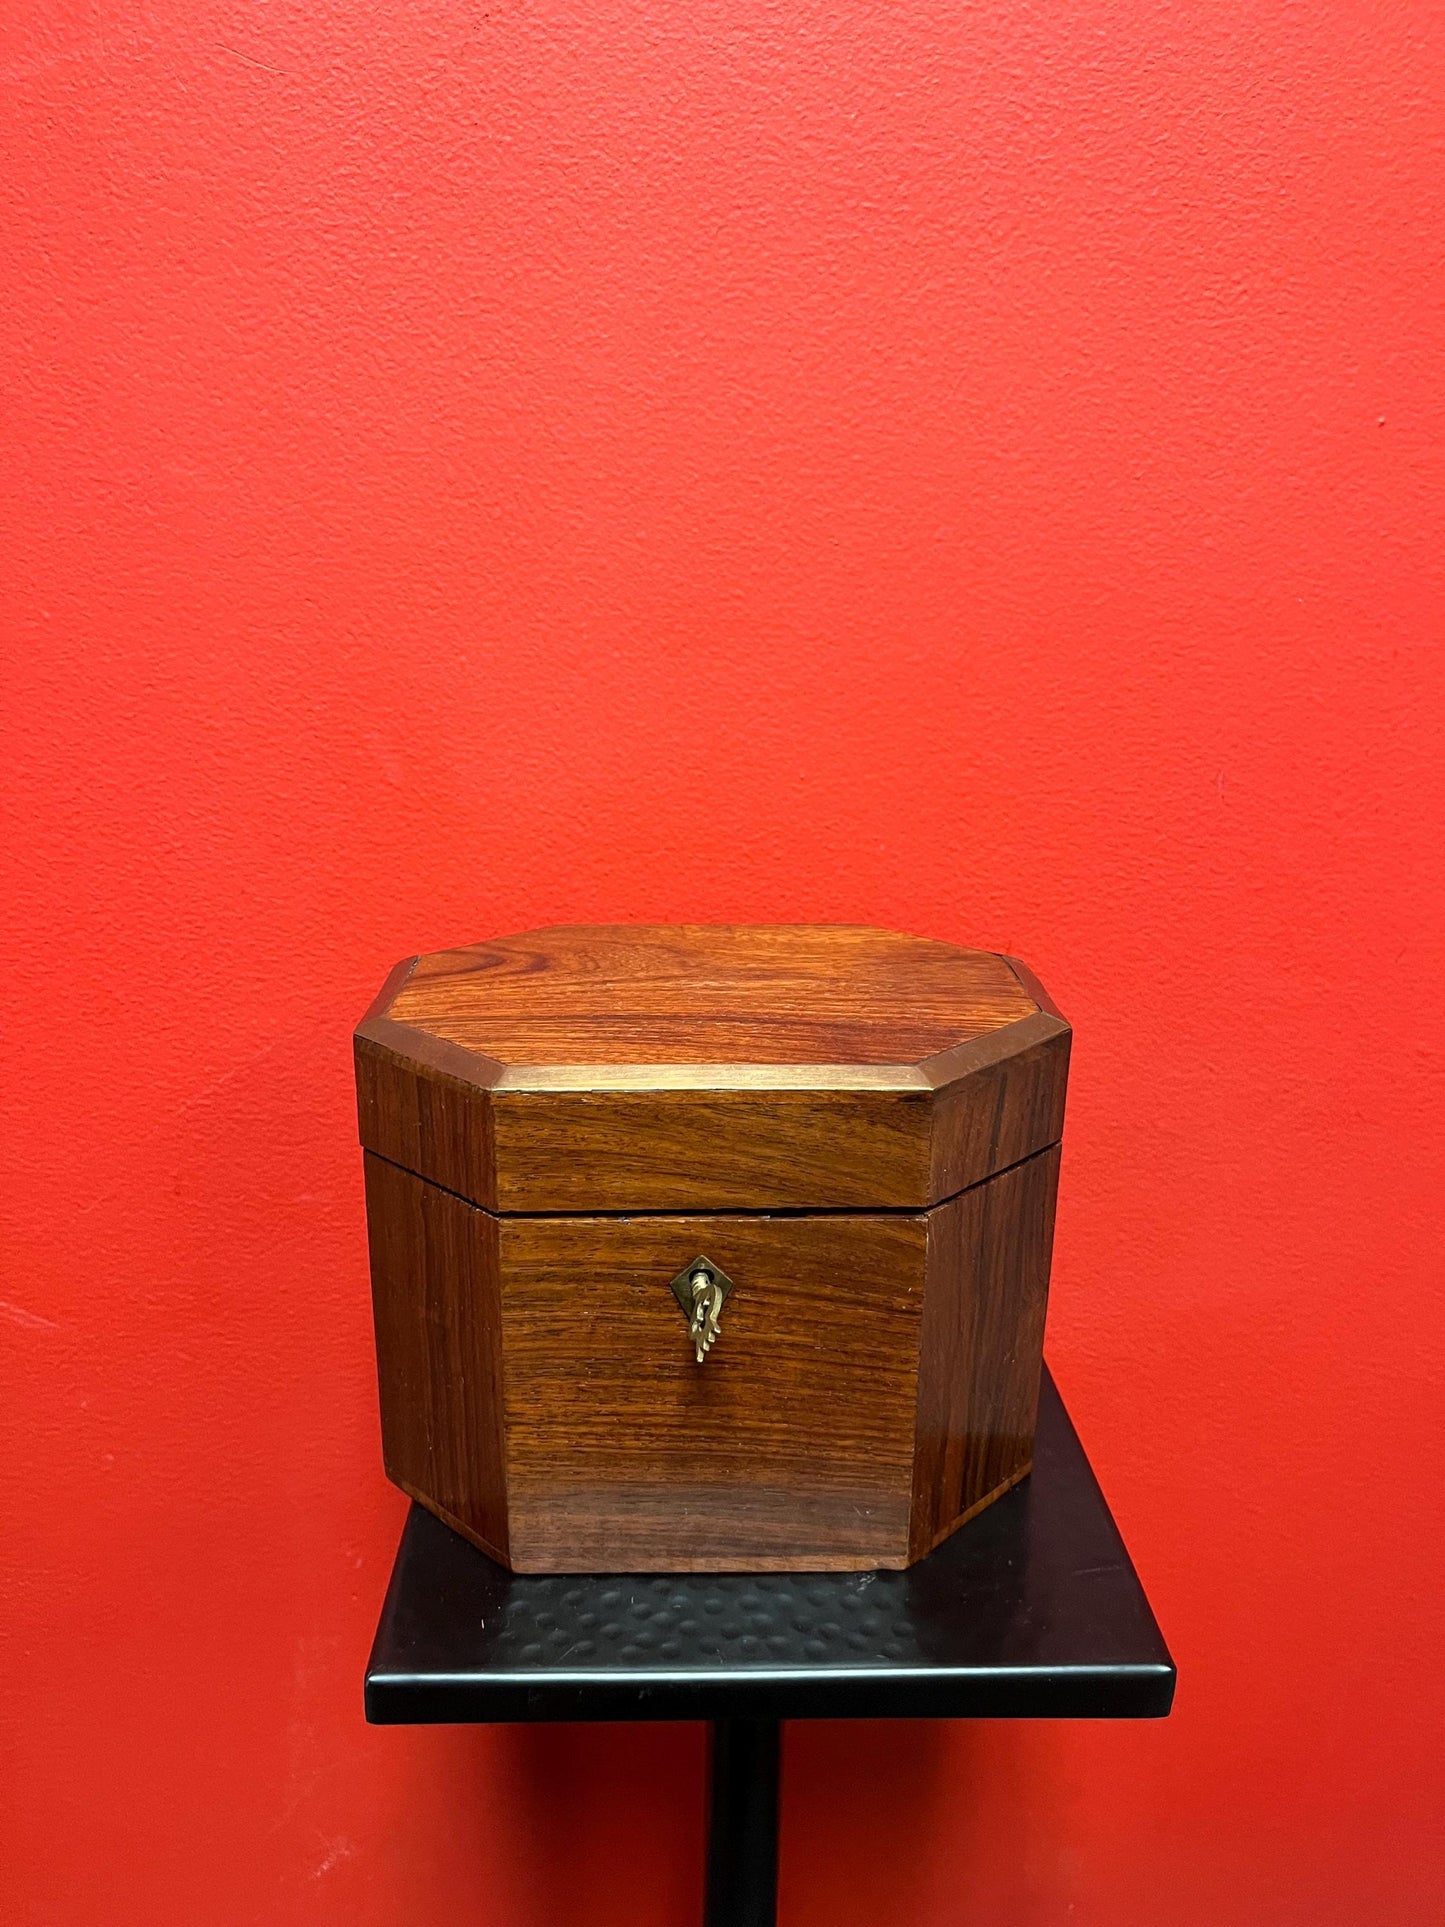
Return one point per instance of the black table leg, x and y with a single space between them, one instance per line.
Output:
742 1840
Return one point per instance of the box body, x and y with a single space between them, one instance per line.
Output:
884 1231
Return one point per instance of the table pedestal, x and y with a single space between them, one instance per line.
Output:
742 1835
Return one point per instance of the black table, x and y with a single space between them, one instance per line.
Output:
1032 1611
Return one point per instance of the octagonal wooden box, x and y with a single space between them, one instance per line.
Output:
709 1248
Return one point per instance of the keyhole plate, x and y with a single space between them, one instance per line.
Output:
682 1287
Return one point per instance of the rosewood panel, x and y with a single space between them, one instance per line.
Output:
422 1115
1000 1099
438 1350
668 1150
982 1345
637 994
790 1448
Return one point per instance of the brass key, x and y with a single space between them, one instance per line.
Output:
706 1312
700 1290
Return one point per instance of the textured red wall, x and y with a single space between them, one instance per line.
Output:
485 462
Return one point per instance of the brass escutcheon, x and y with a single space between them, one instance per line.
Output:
700 1289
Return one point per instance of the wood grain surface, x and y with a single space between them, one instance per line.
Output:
693 1130
873 1387
644 995
712 1150
790 1448
999 1099
436 1304
982 1345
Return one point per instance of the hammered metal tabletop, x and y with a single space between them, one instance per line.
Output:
1033 1610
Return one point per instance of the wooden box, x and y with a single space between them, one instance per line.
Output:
709 1248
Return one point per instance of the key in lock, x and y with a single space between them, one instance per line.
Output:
700 1289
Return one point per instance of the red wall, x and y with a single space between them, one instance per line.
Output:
968 468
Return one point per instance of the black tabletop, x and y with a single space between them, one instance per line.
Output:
1033 1610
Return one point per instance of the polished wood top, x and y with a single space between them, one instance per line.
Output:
707 996
595 1068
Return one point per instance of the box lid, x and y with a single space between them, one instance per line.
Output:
620 1067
